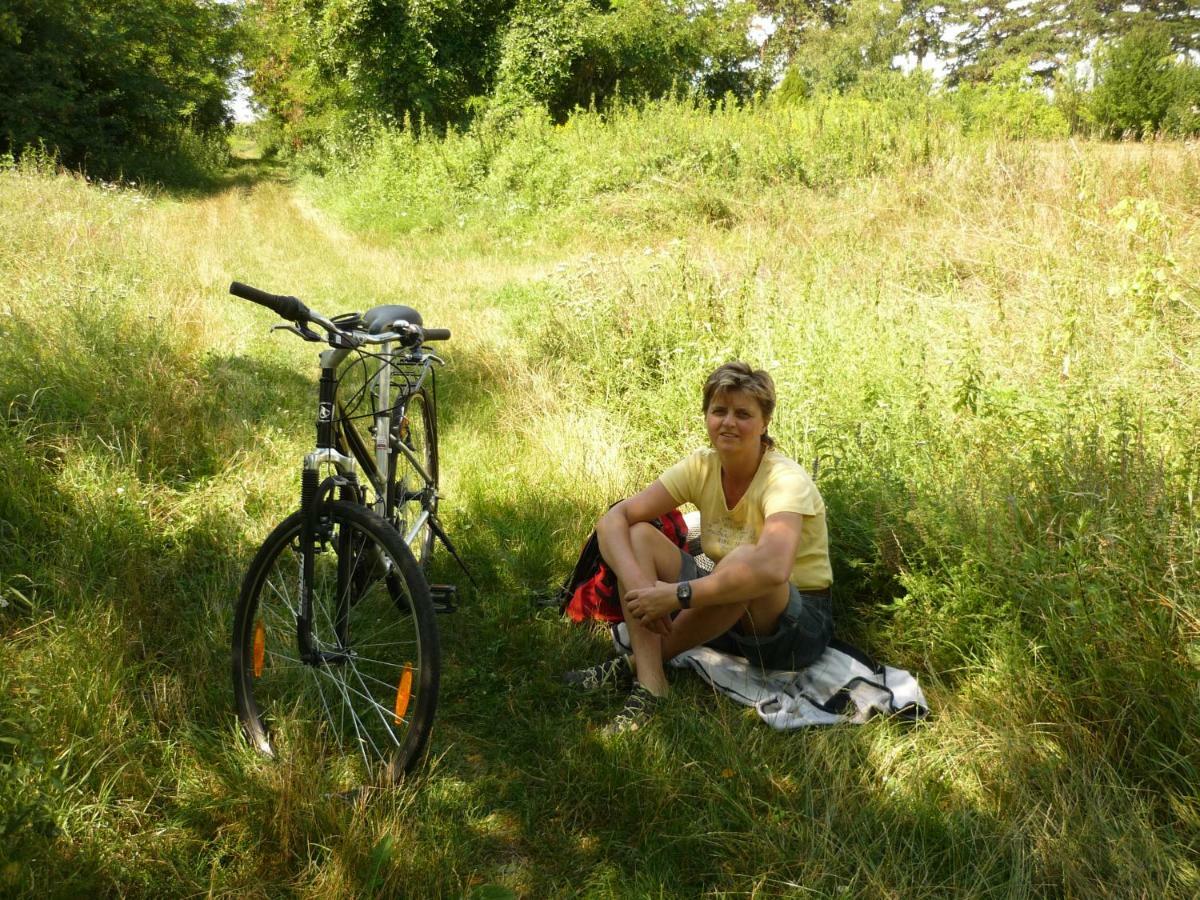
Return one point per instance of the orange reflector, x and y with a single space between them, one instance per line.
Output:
260 647
403 693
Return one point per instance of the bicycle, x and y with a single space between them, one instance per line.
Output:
334 639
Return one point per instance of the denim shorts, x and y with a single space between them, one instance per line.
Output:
800 637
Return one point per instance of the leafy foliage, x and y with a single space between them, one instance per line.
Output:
112 85
568 54
1010 104
830 58
316 62
1183 114
1137 82
1049 32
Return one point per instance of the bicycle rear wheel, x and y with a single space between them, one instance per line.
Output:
414 424
368 691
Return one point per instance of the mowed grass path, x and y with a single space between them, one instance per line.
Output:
926 329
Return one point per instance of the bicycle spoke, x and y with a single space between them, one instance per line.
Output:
362 732
282 595
391 645
378 708
369 619
359 658
361 694
328 712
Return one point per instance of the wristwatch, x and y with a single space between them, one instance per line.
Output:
683 593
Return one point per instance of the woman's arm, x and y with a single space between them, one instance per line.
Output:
613 532
753 569
747 572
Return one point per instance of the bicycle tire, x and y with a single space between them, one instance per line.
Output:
375 709
414 422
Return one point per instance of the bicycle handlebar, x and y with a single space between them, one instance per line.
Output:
289 308
292 309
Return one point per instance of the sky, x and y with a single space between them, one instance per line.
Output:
240 106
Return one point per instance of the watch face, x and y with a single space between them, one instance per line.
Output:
684 591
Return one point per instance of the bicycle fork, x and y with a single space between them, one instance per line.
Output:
313 495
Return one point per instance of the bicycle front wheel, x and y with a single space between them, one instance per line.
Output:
412 498
363 693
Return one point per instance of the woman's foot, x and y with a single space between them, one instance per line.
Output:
612 673
639 707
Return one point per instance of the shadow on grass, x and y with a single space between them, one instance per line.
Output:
242 173
520 789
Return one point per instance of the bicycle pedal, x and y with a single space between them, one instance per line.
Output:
443 596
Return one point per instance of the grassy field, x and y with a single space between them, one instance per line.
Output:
988 351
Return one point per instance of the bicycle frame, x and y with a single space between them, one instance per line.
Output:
417 370
335 434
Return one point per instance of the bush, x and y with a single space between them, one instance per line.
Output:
570 54
832 59
1182 118
1135 84
1010 106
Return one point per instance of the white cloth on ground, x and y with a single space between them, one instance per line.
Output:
843 686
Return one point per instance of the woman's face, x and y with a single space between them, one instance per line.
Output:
735 421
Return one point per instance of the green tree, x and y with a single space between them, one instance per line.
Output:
1135 84
794 20
1050 32
112 85
424 60
1183 115
315 62
830 59
565 54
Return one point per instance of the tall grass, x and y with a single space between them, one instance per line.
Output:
515 175
986 351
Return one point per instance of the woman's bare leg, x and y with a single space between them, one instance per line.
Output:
658 560
693 627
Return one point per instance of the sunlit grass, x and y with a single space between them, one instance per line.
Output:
991 358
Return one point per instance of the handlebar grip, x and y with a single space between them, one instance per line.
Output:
289 308
436 334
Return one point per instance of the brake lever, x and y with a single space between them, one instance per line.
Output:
298 330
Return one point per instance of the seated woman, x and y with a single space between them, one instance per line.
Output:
762 521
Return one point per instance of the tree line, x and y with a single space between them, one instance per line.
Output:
114 85
104 84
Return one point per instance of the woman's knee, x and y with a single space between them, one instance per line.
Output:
648 541
643 531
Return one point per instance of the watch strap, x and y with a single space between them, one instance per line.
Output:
683 593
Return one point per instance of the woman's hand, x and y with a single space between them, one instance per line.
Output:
651 607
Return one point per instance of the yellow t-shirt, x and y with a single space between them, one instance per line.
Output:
779 485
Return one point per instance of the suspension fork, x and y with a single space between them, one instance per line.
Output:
314 495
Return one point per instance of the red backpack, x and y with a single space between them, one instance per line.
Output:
590 592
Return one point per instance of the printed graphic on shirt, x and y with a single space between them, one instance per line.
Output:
724 534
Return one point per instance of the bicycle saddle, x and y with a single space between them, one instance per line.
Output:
380 319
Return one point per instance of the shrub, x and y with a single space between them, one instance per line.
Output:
571 54
1010 106
1135 84
117 88
1182 117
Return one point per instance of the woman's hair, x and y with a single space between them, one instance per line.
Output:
738 376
